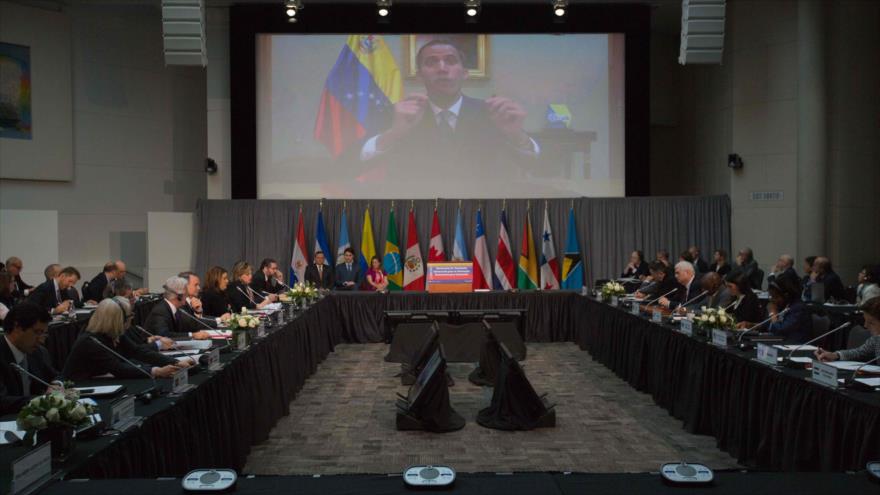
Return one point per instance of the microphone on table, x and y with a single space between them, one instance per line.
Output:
725 308
173 343
145 394
851 381
739 340
246 295
652 301
28 373
787 359
202 323
701 294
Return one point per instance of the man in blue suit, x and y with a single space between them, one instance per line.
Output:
348 273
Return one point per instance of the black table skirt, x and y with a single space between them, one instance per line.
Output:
550 316
765 417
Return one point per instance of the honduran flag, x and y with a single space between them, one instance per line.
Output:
549 263
504 277
435 248
359 94
321 243
482 263
300 257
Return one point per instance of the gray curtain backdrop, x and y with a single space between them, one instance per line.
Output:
608 229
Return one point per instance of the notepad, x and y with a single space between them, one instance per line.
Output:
791 347
852 365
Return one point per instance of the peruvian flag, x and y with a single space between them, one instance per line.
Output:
413 268
300 258
504 276
482 263
549 264
435 249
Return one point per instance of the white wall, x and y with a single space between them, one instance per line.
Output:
33 236
48 154
170 246
749 105
219 131
139 139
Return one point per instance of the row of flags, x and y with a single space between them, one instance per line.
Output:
407 272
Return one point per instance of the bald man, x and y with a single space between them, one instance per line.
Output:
121 272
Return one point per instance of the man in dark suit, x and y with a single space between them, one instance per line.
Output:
699 263
95 289
348 273
688 294
717 294
165 319
449 132
266 278
824 274
659 282
784 268
193 306
55 295
26 326
20 289
319 274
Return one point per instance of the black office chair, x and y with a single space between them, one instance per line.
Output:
857 336
821 324
757 279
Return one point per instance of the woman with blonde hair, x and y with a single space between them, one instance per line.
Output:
107 325
240 293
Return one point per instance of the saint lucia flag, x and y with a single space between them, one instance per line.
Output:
459 248
359 94
368 245
572 264
343 240
321 243
391 260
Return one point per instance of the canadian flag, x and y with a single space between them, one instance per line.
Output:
435 249
413 268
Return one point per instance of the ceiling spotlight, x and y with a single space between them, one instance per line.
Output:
384 7
471 7
291 7
559 7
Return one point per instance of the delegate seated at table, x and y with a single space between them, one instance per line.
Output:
377 280
867 351
25 327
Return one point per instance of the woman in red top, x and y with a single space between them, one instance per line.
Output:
376 276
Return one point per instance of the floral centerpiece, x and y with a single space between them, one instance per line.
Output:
713 318
243 321
302 293
612 289
54 417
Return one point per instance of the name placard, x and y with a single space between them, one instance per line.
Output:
614 301
719 338
261 330
635 309
825 374
122 413
687 327
768 354
180 382
32 468
452 276
657 316
213 359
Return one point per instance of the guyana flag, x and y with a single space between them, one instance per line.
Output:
527 271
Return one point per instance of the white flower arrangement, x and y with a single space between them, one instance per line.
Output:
301 292
713 318
57 409
243 321
611 289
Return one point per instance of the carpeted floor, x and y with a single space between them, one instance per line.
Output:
343 422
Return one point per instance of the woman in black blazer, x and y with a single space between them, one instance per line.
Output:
215 301
240 293
746 306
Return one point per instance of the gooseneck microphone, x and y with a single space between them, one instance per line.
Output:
246 295
28 373
652 301
759 325
829 332
701 294
173 343
146 394
852 379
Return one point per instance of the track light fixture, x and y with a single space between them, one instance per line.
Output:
291 8
559 7
383 7
471 7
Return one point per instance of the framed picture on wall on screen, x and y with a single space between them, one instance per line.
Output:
474 46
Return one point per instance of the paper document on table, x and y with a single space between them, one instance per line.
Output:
871 382
180 353
852 365
792 347
85 311
804 360
194 344
10 426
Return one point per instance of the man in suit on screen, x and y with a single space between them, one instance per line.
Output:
447 131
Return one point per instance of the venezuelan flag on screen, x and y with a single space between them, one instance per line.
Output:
359 94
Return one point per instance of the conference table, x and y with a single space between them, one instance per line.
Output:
767 417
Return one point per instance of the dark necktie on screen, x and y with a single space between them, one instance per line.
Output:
445 124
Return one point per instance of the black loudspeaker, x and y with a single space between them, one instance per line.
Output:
490 359
419 360
426 406
515 404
